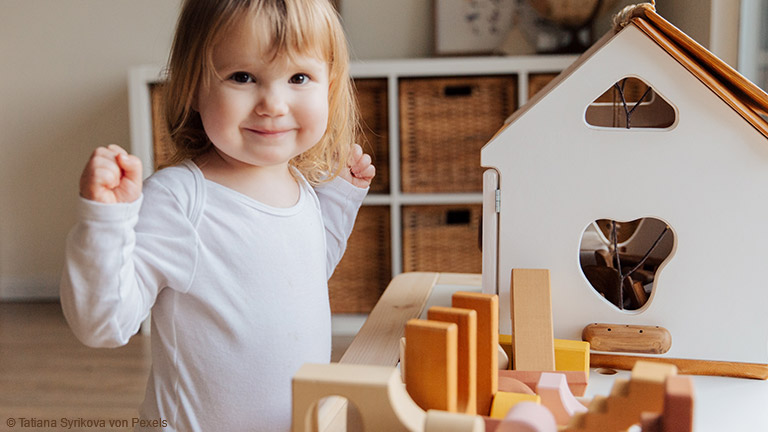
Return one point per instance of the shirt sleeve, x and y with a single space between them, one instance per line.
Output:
339 204
118 259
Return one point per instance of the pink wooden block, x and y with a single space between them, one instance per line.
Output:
555 395
528 417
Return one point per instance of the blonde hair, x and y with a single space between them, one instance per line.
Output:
297 27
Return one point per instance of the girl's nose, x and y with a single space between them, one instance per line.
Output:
271 103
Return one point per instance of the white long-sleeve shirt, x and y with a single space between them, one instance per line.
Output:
237 289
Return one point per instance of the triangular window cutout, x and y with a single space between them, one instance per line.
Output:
628 104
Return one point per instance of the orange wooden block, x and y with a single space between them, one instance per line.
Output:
466 320
577 380
431 364
487 308
533 343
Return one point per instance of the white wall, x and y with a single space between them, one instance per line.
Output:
63 91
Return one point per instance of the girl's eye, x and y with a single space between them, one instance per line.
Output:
241 77
299 78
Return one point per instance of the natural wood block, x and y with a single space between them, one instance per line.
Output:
431 359
557 397
531 312
487 308
577 380
678 405
512 385
503 402
571 355
466 320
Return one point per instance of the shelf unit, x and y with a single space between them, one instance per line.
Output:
530 74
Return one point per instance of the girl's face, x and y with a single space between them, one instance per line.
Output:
261 112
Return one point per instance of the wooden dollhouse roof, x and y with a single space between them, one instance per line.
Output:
743 96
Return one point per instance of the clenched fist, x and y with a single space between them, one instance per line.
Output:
111 176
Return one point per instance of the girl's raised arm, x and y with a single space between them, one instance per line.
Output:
111 176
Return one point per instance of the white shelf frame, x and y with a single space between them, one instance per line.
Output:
140 78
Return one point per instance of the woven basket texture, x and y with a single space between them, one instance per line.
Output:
444 122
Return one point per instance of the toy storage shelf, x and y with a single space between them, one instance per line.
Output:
424 122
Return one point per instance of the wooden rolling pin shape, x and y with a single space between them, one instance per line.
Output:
627 338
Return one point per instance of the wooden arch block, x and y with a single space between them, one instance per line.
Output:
376 391
555 395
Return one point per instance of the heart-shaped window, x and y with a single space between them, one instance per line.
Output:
622 260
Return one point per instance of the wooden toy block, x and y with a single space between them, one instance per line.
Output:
504 401
644 392
531 313
431 363
441 421
571 355
555 395
466 320
528 417
627 338
577 380
511 385
505 342
487 308
376 391
678 405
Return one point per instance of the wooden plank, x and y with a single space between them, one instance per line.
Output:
466 320
533 344
684 366
487 308
378 341
431 357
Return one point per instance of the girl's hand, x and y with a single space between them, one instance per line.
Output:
359 170
111 176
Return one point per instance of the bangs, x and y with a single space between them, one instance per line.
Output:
293 28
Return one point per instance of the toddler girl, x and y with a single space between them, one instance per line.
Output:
232 246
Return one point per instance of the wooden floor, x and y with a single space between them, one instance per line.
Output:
47 374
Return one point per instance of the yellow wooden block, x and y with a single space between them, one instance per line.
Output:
571 355
504 401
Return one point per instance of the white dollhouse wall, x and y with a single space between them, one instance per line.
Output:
704 176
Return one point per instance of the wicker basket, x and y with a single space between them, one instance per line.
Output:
536 82
444 122
442 238
365 271
161 138
372 100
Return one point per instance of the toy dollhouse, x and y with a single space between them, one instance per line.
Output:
688 152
